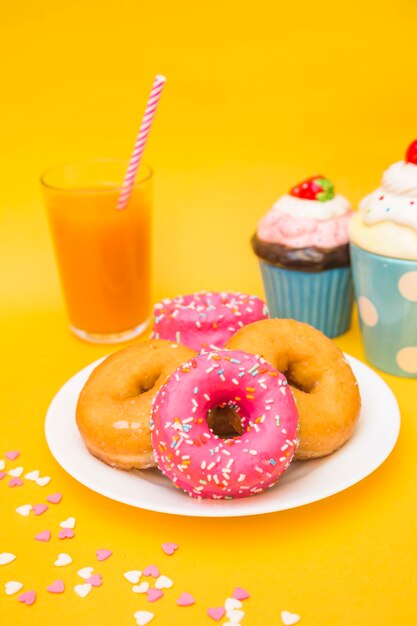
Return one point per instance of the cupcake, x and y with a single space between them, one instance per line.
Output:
384 262
303 250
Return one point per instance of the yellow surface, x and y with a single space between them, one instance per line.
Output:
259 96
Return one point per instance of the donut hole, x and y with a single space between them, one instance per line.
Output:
225 421
299 377
146 382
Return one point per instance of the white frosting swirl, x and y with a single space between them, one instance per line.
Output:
396 199
401 178
300 208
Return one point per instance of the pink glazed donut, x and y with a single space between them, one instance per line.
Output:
200 462
205 320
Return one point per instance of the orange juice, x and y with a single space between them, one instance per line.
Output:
103 253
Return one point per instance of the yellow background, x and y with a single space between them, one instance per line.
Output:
259 96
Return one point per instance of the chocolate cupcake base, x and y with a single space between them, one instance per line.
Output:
310 259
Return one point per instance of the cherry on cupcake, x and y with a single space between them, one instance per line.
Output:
411 154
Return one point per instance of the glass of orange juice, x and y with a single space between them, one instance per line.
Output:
103 253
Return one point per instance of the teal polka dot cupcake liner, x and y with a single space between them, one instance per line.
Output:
386 295
322 299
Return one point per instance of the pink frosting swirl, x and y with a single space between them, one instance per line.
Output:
294 232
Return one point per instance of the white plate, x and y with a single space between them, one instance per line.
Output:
304 482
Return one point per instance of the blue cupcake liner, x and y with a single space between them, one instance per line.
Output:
322 299
386 294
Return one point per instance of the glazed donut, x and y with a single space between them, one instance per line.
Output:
195 458
323 384
114 407
205 320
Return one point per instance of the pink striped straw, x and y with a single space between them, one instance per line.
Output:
141 140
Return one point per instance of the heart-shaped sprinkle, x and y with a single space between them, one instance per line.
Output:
185 599
68 523
16 471
232 603
28 597
83 590
163 582
54 498
2 464
38 509
169 548
235 616
32 475
216 613
66 533
154 594
24 510
143 617
43 480
102 555
289 619
95 580
12 455
57 586
6 557
142 588
15 482
240 594
44 535
63 559
85 572
133 576
2 475
13 586
151 570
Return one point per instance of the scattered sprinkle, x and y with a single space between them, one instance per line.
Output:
143 617
12 455
103 554
12 587
32 475
133 576
83 589
68 523
39 509
44 535
85 572
216 613
185 599
63 560
232 603
28 598
95 580
142 588
66 533
169 548
288 619
163 582
58 586
54 498
24 510
154 594
6 557
16 471
43 481
15 482
151 570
